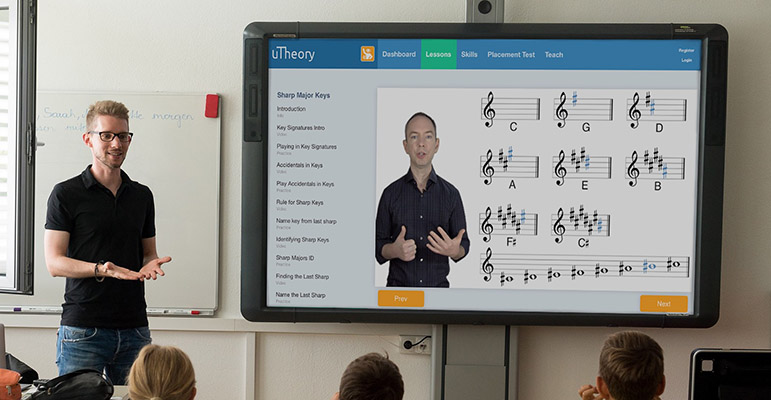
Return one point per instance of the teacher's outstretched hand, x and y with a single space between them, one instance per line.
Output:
442 243
152 269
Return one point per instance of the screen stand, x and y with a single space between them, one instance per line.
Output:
474 362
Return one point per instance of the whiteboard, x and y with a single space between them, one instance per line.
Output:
176 152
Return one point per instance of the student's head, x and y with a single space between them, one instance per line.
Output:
371 377
631 367
420 141
107 135
161 373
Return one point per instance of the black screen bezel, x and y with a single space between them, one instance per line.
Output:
709 202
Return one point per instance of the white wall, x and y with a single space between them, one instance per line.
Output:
195 46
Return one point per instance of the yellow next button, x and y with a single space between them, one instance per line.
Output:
400 298
675 304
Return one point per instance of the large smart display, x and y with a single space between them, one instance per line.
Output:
550 174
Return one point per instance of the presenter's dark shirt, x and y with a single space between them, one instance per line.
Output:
109 228
402 203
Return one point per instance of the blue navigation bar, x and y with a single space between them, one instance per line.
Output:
501 54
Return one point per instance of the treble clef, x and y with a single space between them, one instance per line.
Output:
558 228
487 267
632 170
487 227
560 170
488 111
487 169
562 113
634 113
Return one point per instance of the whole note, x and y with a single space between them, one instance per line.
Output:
632 170
487 227
488 111
622 268
529 277
575 272
506 278
562 113
558 228
559 170
487 267
634 113
554 274
487 169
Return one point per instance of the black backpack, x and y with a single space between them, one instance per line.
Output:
84 384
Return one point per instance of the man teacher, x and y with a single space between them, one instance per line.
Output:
100 236
420 222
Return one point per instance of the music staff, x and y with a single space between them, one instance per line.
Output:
510 109
582 109
580 166
652 109
507 165
527 268
653 166
508 222
580 223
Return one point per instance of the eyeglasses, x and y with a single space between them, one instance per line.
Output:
108 136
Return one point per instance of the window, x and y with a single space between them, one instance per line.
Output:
17 99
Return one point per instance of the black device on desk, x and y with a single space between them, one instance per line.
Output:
730 374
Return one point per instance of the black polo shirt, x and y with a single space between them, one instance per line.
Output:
109 228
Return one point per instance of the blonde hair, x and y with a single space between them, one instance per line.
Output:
161 373
106 107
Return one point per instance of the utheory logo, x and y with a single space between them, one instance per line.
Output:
282 53
367 53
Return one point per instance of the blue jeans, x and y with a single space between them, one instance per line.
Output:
110 350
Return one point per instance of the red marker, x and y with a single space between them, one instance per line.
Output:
195 312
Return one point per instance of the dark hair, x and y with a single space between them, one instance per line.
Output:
419 114
632 365
371 377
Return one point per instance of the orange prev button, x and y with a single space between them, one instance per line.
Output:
400 298
677 304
